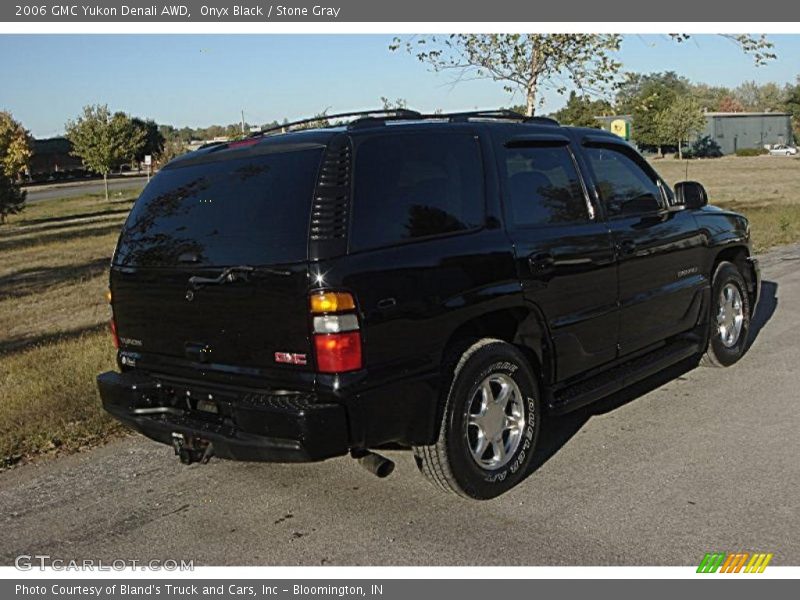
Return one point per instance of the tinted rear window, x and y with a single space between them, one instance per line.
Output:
252 210
414 186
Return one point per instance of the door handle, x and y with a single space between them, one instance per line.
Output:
626 247
542 263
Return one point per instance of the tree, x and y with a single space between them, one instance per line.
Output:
12 197
754 97
681 121
522 62
792 105
644 97
153 139
730 104
527 62
172 148
710 97
581 111
15 151
15 146
398 104
104 141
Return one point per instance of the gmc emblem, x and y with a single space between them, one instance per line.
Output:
290 358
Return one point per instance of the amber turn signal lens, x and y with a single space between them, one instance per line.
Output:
325 302
108 296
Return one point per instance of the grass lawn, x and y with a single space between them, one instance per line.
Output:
53 276
53 337
764 188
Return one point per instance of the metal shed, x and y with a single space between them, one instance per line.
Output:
735 130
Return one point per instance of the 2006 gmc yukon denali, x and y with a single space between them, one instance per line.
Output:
426 281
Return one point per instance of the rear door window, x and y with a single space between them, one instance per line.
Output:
412 186
253 210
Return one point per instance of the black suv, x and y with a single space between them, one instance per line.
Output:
406 280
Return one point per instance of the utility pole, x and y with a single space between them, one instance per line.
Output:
242 121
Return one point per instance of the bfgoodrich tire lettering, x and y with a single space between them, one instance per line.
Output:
451 463
730 317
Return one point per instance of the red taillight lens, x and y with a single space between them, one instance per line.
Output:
114 336
338 352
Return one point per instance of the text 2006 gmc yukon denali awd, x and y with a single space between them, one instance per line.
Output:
428 281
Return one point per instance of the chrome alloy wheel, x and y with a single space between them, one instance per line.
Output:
495 421
730 316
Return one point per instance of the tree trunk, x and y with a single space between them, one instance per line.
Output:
105 183
530 101
680 150
530 92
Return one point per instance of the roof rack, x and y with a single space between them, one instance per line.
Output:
370 117
499 114
394 113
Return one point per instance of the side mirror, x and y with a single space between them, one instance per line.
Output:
690 194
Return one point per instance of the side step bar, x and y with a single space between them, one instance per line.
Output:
584 392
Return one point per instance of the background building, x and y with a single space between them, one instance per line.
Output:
731 131
734 130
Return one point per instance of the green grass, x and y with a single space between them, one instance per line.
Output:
53 336
766 189
49 401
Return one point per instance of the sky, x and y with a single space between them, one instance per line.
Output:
200 80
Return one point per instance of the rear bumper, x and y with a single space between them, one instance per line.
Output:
274 427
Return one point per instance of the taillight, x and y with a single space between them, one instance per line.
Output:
338 352
336 331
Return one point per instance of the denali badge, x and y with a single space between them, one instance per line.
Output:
290 358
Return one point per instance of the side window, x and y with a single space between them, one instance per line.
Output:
624 187
543 186
416 185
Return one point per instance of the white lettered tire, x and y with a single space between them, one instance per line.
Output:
490 423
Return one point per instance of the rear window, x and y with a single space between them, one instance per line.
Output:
252 210
415 186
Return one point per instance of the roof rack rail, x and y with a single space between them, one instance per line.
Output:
392 113
368 117
499 114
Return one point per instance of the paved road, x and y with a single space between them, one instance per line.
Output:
93 186
697 460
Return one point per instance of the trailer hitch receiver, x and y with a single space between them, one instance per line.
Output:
191 449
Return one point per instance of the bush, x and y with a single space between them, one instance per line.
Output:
751 152
703 147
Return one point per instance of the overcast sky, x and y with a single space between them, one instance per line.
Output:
199 80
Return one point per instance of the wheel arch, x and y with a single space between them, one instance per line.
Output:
522 326
739 255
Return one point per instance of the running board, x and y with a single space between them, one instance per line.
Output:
613 380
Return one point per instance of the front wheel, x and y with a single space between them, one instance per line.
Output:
490 424
730 317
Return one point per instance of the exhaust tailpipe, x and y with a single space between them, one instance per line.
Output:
378 465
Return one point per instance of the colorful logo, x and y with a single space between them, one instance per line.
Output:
735 562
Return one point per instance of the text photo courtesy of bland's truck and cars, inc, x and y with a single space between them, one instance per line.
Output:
178 10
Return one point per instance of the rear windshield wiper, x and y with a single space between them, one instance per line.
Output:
233 274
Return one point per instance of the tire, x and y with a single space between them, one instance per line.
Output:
504 420
729 321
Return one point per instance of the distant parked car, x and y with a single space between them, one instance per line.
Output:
783 150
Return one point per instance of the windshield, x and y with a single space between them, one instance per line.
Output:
253 210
